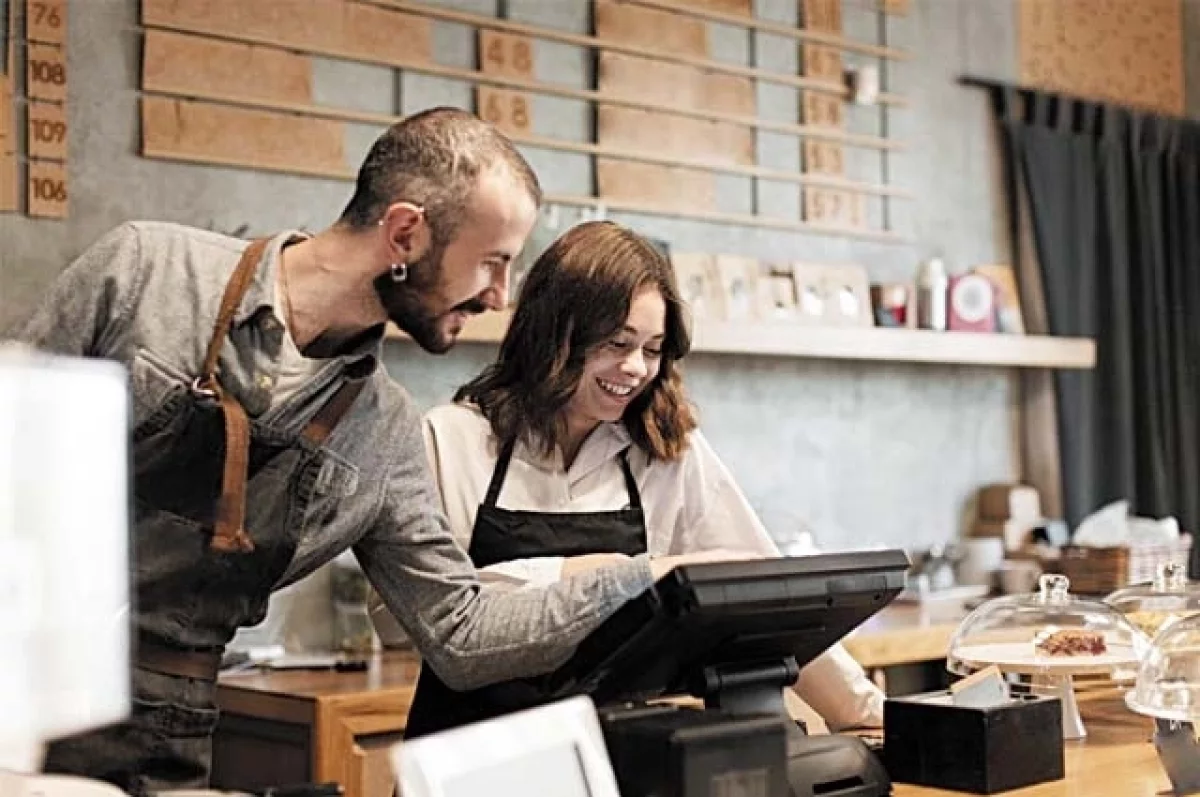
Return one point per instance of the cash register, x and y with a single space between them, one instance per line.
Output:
735 635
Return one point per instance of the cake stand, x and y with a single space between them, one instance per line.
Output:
1053 675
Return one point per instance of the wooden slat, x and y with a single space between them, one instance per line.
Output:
239 154
45 21
8 183
47 131
8 139
48 193
196 132
542 142
779 29
664 187
735 219
671 84
707 64
510 111
327 27
823 16
620 22
646 131
739 7
8 155
205 133
197 66
505 54
45 73
586 95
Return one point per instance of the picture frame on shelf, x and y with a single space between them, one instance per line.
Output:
737 278
833 295
1009 318
777 297
698 285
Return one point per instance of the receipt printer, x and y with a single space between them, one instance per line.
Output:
666 751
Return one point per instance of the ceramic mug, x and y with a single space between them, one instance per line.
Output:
1019 576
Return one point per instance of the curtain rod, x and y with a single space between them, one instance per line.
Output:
994 84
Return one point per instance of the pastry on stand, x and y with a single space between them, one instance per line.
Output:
1048 639
1153 605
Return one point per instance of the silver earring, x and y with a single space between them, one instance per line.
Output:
399 272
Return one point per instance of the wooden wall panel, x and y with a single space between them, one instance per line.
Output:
47 131
47 190
742 7
334 27
646 131
202 132
45 21
663 30
631 77
201 67
661 186
1124 51
656 81
8 149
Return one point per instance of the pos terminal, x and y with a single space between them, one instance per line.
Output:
734 634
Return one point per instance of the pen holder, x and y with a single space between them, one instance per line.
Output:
929 741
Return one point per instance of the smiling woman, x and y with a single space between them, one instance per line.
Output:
601 303
577 448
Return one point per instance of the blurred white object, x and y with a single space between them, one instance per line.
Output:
1018 576
981 559
64 561
556 750
1111 526
863 83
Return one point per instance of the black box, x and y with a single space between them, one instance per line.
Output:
665 751
931 742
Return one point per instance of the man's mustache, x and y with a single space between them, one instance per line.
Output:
471 306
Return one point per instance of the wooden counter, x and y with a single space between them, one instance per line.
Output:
1116 760
314 726
904 633
320 726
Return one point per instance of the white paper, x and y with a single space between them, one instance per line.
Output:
64 501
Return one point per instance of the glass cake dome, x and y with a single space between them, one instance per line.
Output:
1153 605
1168 680
1047 632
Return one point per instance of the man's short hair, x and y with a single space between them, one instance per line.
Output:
434 159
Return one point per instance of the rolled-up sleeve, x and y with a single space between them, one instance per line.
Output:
472 634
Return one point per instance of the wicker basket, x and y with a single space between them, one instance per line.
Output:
1098 571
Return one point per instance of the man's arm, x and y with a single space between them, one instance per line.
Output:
90 301
470 634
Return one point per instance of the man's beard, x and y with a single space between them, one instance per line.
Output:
407 303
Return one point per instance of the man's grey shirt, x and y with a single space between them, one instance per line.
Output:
147 295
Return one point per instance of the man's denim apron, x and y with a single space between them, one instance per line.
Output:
190 507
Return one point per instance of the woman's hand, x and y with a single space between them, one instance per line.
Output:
662 565
590 561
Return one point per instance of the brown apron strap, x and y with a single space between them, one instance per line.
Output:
323 423
229 535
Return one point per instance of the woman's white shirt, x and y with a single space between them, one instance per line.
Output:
691 504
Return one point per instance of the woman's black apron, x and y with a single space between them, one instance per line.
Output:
502 535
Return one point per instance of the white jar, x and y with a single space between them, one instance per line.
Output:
933 285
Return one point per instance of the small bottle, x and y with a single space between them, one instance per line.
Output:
933 285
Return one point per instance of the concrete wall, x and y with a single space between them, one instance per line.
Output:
861 454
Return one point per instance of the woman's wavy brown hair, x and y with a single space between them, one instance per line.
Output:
576 298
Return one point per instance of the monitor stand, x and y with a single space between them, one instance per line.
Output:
748 688
1179 753
828 765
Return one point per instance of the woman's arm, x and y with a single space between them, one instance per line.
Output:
833 684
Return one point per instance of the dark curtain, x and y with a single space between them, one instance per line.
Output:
1113 197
